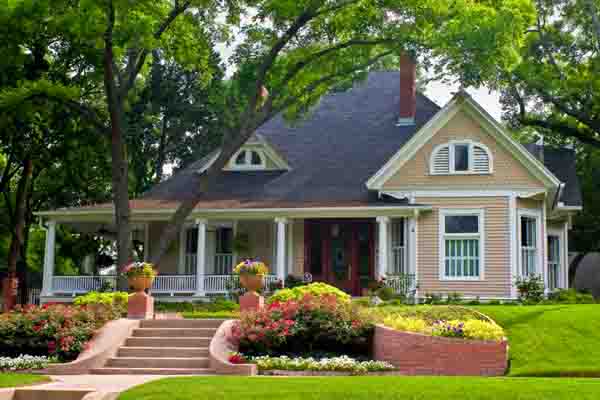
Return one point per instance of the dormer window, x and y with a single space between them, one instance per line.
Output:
461 157
248 159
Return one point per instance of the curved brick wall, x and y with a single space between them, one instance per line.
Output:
416 354
219 350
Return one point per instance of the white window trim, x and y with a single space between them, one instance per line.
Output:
451 171
563 258
248 166
537 215
480 213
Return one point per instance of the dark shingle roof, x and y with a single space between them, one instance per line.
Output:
332 152
562 163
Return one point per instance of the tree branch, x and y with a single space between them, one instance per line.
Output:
562 128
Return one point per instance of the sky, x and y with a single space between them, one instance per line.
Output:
441 93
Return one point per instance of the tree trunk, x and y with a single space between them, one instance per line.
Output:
160 157
119 164
19 224
573 265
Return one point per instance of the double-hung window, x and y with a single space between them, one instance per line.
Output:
461 244
529 245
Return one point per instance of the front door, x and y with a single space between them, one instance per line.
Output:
340 253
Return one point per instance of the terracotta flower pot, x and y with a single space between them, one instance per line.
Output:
252 282
140 283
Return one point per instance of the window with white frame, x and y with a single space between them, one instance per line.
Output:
397 265
461 244
529 245
248 159
461 157
553 262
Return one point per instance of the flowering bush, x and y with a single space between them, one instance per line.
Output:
136 269
338 364
251 267
314 289
56 330
24 362
237 358
322 324
468 329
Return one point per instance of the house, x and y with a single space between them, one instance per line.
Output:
376 181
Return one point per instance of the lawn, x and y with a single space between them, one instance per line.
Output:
367 388
553 340
8 379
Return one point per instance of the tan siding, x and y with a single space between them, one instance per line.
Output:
168 264
529 203
508 171
497 274
260 234
298 237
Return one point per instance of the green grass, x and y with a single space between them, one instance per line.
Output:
553 340
367 388
8 379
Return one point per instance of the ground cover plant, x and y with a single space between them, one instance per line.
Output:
550 340
332 364
8 379
24 362
473 329
52 329
312 325
365 388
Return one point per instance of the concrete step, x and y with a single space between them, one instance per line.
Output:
152 371
174 332
167 342
157 352
154 362
181 323
51 393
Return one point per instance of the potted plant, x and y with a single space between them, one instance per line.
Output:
140 275
251 274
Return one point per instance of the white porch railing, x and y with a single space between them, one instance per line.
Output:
174 284
81 284
404 284
213 284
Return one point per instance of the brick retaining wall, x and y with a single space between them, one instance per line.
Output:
417 354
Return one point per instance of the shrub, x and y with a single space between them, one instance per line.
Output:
570 296
24 362
468 329
530 288
215 305
339 364
112 300
313 324
314 289
56 330
433 298
293 281
385 293
454 298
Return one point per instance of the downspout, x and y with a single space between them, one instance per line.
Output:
558 195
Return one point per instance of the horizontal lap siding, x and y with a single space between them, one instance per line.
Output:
497 274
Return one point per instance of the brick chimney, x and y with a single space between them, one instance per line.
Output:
408 86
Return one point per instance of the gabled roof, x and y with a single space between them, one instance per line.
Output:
461 102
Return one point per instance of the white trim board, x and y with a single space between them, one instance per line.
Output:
461 102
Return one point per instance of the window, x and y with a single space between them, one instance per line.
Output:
529 245
461 158
248 159
461 244
553 262
397 247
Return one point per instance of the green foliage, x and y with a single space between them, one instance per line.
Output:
385 293
216 305
570 296
314 289
530 288
433 298
116 300
139 269
338 364
292 281
454 298
11 380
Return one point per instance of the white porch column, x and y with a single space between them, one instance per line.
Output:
201 256
281 225
383 242
49 259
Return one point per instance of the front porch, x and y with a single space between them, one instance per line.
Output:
347 253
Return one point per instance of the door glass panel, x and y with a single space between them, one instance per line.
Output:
339 258
316 249
364 255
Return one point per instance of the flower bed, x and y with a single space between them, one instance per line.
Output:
24 362
311 325
314 289
467 329
345 364
51 330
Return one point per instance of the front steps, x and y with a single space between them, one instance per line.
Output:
165 347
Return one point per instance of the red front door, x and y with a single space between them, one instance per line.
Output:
340 253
